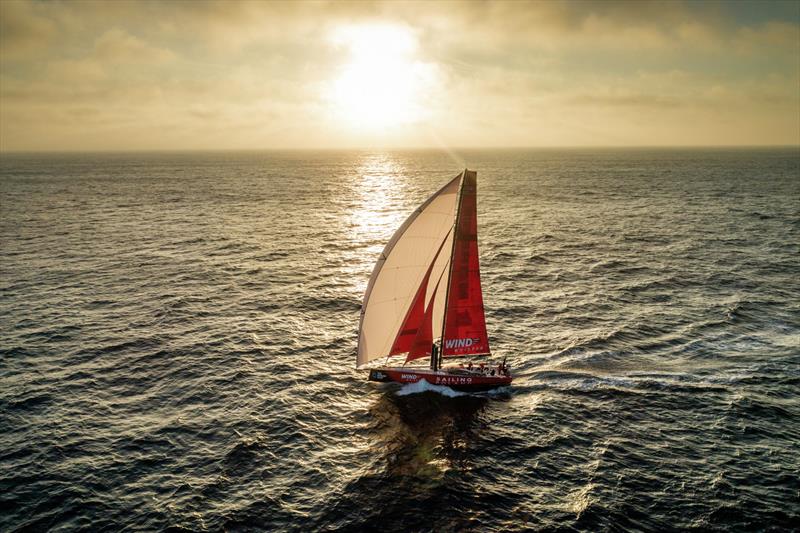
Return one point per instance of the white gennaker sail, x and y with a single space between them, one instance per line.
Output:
426 283
400 271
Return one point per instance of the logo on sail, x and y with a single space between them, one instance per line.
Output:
461 343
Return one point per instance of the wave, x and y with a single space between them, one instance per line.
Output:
189 366
424 386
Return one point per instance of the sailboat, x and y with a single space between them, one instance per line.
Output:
424 300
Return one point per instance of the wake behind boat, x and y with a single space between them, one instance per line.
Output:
424 298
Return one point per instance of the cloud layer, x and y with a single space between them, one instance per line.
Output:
260 75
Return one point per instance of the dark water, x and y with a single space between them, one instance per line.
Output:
178 339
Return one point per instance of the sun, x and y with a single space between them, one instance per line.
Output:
382 84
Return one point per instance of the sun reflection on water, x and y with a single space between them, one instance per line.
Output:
376 215
378 207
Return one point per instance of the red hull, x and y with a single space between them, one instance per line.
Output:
457 379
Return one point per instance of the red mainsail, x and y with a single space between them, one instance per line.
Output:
464 322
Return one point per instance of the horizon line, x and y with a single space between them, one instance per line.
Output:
403 149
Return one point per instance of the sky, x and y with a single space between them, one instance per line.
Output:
94 76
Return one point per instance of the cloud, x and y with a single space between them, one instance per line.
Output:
769 38
118 46
626 98
154 74
72 72
23 30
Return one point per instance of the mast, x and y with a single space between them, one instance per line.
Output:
435 365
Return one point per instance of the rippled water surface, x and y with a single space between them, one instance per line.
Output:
178 340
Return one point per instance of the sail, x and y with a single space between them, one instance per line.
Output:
401 270
409 331
464 322
410 328
423 342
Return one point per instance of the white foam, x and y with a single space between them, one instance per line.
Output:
423 386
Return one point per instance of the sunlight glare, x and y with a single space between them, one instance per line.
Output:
383 82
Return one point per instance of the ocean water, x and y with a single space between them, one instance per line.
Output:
178 333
